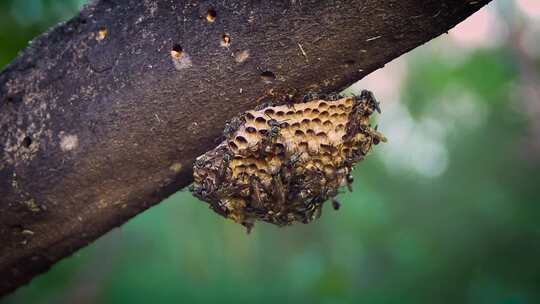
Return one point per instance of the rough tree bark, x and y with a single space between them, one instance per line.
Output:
99 122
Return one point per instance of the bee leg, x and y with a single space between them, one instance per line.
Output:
350 180
249 226
317 212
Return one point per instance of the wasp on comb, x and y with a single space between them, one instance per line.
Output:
279 164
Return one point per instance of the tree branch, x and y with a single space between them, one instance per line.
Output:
100 120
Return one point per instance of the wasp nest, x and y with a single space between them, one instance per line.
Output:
280 164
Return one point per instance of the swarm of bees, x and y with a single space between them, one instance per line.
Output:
279 164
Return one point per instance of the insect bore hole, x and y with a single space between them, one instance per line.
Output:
102 33
225 40
13 99
177 51
267 76
211 15
27 141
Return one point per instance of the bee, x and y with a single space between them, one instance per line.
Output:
326 192
279 193
286 97
199 191
333 97
314 211
202 162
249 225
316 96
308 211
227 157
289 168
264 102
263 169
349 179
369 98
274 97
289 102
257 192
311 96
275 127
295 158
377 136
272 133
232 126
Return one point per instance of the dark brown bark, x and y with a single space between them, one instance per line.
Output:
94 131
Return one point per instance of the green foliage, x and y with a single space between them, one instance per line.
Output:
485 73
468 235
21 20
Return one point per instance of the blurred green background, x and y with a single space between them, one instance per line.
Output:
446 212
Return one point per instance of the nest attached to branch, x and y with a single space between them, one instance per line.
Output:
279 164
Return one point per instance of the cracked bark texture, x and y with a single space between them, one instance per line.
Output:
99 122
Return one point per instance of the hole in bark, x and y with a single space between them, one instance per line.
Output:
177 48
350 62
267 76
225 40
16 226
27 141
102 33
177 51
211 15
13 99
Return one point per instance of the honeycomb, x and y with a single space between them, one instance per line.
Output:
279 164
